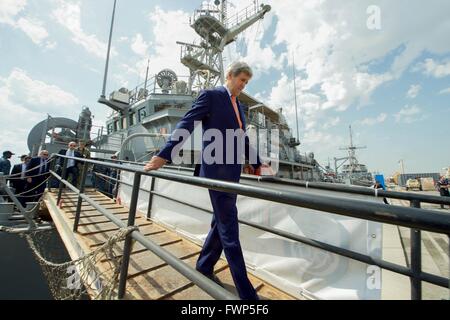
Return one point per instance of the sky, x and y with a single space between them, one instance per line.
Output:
381 66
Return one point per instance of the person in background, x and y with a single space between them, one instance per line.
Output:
442 185
378 185
5 164
72 165
112 184
83 150
19 181
37 172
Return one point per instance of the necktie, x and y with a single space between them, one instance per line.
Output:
41 168
236 110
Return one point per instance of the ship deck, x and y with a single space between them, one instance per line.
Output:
149 277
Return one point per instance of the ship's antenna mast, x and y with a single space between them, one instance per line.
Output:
146 74
351 152
295 97
109 51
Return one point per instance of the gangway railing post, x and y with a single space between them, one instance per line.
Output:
117 184
150 198
128 240
416 259
61 184
80 200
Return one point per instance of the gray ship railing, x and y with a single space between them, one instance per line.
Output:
415 218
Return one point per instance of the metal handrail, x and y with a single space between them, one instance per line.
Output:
417 219
357 190
428 277
196 277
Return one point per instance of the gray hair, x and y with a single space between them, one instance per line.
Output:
238 67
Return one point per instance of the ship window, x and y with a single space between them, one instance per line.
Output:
132 118
261 120
142 114
116 125
110 128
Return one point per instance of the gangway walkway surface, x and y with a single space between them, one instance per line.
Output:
149 277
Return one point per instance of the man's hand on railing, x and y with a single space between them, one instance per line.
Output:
264 170
155 163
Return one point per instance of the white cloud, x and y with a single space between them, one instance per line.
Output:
68 14
435 69
331 123
249 47
334 49
414 91
20 88
167 28
24 102
34 29
9 9
373 121
445 91
409 114
139 46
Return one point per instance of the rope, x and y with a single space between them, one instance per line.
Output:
86 268
26 177
28 191
103 178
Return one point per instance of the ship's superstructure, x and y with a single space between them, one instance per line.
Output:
157 105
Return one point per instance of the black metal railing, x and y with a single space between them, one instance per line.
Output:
415 218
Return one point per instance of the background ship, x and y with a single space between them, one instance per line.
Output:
353 172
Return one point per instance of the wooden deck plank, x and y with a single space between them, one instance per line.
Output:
99 239
162 282
149 277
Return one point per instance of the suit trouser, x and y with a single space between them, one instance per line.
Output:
73 171
224 235
20 189
39 191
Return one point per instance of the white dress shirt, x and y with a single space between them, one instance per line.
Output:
70 162
24 168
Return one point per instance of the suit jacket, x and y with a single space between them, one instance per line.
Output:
214 108
5 166
34 167
17 184
63 153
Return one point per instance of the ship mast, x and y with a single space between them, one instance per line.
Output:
217 30
295 98
353 162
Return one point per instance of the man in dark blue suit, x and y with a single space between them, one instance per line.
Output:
19 180
37 172
219 110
